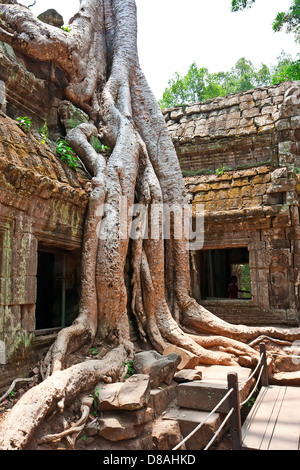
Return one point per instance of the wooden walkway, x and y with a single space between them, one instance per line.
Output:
274 420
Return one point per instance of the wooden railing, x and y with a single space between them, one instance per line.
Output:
233 396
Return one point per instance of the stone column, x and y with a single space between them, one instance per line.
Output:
18 286
259 274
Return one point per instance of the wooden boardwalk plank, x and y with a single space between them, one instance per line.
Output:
274 421
287 429
257 421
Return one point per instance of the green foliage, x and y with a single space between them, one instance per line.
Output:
200 85
94 351
286 69
67 29
66 154
25 123
245 281
44 133
289 19
250 403
220 171
130 369
237 5
187 89
98 146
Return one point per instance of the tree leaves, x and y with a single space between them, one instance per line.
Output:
289 19
200 85
237 5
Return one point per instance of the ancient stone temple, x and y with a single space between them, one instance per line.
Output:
42 210
240 156
42 207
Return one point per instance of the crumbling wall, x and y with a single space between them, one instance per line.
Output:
257 208
242 153
28 94
41 201
238 131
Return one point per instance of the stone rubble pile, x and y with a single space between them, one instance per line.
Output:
161 403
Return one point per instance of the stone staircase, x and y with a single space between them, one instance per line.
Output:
196 399
152 412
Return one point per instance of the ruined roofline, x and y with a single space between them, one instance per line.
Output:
223 102
250 112
248 129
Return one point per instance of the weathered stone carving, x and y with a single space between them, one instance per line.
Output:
52 17
278 284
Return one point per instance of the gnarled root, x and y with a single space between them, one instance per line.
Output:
11 388
75 429
19 424
245 354
197 318
68 340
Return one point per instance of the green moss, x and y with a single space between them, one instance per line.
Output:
202 171
223 169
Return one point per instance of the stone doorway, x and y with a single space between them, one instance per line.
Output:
58 276
215 268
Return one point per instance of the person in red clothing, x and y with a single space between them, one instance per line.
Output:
233 288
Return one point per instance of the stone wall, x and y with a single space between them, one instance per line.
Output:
255 204
254 134
258 209
42 201
238 131
29 92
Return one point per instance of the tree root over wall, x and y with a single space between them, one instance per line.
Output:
100 60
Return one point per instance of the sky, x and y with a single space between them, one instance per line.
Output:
174 33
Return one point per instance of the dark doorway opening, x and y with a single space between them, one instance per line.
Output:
216 268
58 276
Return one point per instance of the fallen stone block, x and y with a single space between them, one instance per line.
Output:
206 394
133 394
163 398
188 420
199 396
166 434
141 442
286 378
188 359
161 369
288 363
122 425
188 375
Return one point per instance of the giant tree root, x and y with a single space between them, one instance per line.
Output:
100 61
19 424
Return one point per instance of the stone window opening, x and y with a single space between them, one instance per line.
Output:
58 278
215 269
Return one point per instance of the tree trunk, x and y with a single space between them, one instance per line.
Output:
99 57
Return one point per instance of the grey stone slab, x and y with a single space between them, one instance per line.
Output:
189 420
207 393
